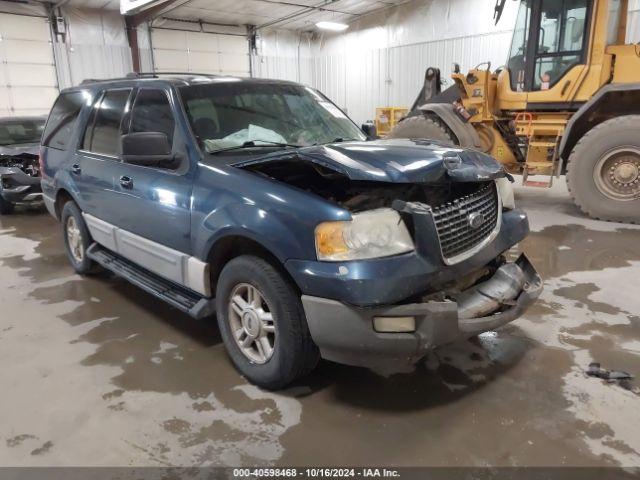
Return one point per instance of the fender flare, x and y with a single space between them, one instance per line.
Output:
464 132
579 123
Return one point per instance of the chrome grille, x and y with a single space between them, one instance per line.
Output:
453 222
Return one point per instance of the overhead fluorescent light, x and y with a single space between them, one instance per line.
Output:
336 27
128 7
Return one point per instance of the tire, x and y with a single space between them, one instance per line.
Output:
423 126
5 207
593 177
294 354
80 262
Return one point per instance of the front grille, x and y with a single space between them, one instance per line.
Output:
452 220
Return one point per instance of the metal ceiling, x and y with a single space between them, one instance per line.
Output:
98 4
288 14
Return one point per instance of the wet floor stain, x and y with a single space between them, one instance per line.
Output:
19 439
48 445
118 367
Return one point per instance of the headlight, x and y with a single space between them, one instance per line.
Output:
372 234
505 190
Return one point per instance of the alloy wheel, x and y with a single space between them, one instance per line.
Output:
251 321
74 239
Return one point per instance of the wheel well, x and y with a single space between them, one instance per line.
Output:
62 197
233 246
612 104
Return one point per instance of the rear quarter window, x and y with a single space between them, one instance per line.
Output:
62 120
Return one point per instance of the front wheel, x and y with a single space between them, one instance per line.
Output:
262 323
603 171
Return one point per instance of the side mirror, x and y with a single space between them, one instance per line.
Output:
370 130
146 148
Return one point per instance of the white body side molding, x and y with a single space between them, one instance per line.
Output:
163 261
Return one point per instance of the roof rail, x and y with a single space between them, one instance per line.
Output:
134 75
157 74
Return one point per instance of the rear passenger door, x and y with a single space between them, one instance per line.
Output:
154 202
96 165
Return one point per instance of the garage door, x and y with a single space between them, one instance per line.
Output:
180 51
28 84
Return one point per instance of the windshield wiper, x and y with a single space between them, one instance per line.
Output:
253 144
340 139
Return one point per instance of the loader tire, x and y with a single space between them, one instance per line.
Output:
427 126
603 171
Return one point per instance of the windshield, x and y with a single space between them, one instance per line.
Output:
232 114
14 132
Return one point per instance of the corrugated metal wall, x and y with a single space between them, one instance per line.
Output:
382 60
96 46
407 40
359 81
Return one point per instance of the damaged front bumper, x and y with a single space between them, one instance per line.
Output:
346 334
19 187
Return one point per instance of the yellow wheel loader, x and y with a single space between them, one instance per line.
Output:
567 102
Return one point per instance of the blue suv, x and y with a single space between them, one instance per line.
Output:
260 201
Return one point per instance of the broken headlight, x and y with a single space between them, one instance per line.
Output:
372 234
505 190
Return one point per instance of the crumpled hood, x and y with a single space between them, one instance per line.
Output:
397 160
32 148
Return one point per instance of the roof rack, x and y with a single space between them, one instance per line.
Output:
157 74
134 75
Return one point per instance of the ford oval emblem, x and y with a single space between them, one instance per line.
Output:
475 219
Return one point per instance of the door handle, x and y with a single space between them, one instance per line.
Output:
75 168
126 182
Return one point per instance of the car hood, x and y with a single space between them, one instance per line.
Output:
32 148
396 160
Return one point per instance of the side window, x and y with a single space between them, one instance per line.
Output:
103 129
62 120
561 40
152 113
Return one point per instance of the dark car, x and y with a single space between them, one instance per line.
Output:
19 166
263 202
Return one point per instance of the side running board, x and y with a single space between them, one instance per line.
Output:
180 297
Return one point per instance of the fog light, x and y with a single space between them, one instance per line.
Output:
394 324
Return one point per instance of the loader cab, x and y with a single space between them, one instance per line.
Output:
550 38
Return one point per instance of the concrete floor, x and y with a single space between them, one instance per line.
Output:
95 372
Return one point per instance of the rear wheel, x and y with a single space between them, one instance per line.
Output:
603 171
5 207
262 323
76 239
426 126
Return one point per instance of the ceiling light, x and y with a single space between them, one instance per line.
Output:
336 27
